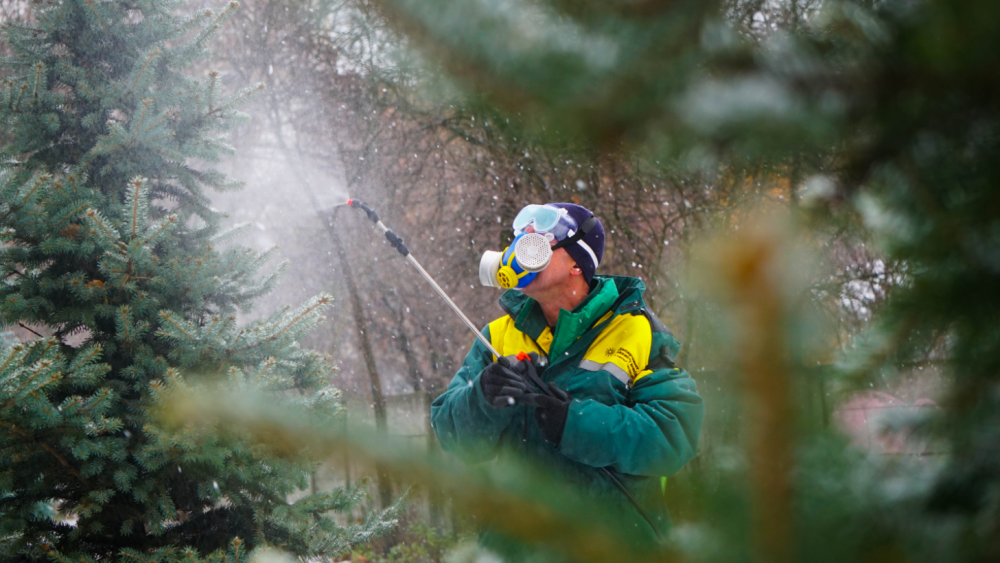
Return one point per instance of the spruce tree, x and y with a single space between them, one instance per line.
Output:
109 236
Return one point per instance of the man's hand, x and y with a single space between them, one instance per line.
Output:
503 387
550 411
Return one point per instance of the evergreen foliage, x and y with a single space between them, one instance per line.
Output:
109 237
874 118
882 117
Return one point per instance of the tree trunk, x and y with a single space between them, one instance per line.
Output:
378 399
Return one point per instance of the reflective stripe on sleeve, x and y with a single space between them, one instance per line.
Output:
617 372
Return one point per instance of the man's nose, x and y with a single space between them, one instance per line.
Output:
529 229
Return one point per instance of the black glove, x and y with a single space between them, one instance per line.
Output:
503 387
550 411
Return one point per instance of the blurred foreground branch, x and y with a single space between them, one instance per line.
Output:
522 501
753 269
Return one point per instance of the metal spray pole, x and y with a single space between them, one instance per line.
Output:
400 247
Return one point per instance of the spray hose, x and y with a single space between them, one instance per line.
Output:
400 247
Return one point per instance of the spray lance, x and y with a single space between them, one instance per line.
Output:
396 242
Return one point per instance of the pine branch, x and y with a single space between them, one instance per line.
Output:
266 367
170 220
17 105
72 181
197 268
156 123
38 183
10 359
92 354
165 154
142 70
45 446
142 116
130 554
137 185
38 78
128 274
87 91
217 24
57 186
230 233
163 136
323 301
170 319
96 218
38 371
211 88
17 206
22 27
93 9
76 210
239 97
189 23
228 268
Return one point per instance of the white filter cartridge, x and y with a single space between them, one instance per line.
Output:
488 268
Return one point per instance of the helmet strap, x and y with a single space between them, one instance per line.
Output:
584 229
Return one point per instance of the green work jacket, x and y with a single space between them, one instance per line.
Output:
633 412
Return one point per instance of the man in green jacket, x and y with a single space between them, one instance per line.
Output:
620 415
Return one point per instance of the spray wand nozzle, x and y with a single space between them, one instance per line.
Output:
372 214
392 237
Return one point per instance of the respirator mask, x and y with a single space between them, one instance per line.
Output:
531 252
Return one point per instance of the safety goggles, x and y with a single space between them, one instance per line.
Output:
545 219
556 224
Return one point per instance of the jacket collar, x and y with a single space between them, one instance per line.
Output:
529 319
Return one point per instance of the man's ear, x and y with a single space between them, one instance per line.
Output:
576 270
